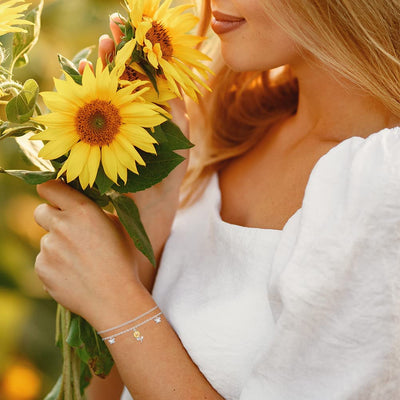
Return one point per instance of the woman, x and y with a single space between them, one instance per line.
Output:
281 279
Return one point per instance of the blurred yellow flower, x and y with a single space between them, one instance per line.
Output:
21 382
163 33
11 14
98 122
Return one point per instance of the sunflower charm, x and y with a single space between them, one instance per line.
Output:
138 336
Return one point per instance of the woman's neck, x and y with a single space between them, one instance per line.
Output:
334 109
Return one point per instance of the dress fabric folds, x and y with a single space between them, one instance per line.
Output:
326 289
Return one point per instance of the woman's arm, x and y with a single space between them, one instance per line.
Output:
93 273
109 388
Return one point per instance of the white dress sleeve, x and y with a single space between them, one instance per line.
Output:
335 286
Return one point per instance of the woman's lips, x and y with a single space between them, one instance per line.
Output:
223 23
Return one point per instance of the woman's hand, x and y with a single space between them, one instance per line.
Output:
85 259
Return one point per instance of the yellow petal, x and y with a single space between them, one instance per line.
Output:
109 163
93 163
129 154
56 102
56 119
57 148
84 177
77 160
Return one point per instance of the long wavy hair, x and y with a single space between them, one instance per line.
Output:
359 39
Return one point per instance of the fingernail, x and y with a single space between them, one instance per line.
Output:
115 17
103 37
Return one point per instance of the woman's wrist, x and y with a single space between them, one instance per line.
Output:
132 300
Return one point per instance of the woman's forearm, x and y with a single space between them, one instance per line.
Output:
109 388
159 366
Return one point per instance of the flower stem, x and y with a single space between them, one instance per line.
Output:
58 323
76 367
66 314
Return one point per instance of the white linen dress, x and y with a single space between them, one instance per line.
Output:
308 313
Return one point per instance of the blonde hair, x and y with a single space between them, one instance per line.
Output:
359 39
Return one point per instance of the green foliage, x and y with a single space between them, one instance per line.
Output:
20 108
158 166
23 42
70 69
171 133
129 216
89 347
31 177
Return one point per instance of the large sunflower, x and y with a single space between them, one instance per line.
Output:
98 122
163 34
11 14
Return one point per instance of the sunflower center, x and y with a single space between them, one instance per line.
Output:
98 122
131 75
158 34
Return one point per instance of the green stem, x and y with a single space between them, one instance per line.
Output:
58 323
5 71
66 356
11 85
76 367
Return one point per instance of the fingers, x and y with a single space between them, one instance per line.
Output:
61 196
106 49
45 215
114 27
82 65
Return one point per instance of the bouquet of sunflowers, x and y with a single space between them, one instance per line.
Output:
107 131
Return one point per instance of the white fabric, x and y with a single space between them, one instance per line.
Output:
323 321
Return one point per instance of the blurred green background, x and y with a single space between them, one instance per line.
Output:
29 362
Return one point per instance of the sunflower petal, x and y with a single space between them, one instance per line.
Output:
109 163
77 160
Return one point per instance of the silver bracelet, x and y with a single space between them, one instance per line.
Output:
128 322
136 334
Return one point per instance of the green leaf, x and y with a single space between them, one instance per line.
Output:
31 177
74 339
86 377
55 392
23 42
20 108
90 348
18 132
158 166
151 74
7 44
129 216
21 61
176 139
100 360
69 68
83 54
31 149
103 183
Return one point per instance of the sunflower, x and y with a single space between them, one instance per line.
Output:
98 122
133 72
10 15
163 34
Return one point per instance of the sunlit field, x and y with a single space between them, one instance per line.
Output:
29 363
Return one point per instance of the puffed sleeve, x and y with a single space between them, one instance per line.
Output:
335 286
